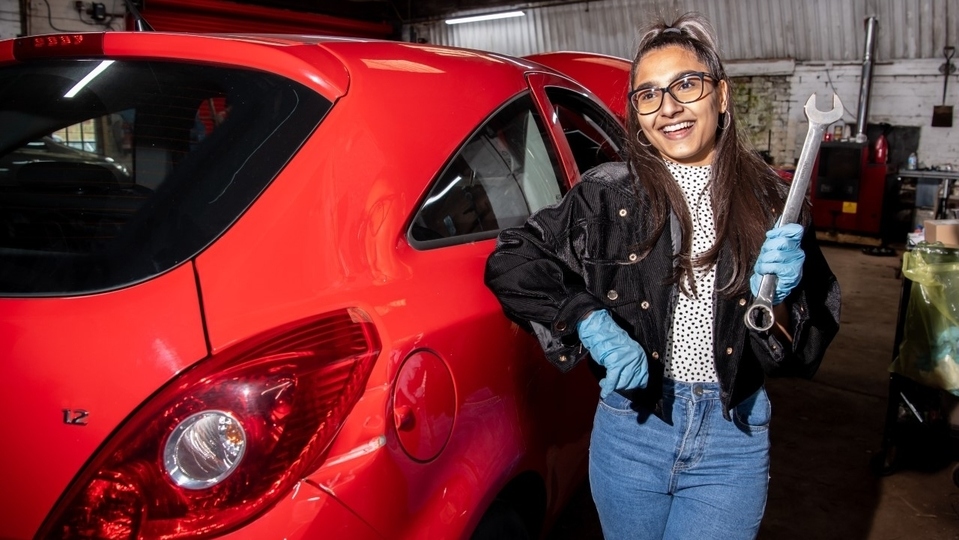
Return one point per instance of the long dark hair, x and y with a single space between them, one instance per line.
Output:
745 193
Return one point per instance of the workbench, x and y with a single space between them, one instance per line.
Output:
942 183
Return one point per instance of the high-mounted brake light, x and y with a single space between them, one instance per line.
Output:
58 45
226 439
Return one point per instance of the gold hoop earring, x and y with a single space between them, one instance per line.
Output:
647 145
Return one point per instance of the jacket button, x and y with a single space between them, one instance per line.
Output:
644 304
622 212
742 301
655 355
612 294
729 350
563 358
633 257
561 326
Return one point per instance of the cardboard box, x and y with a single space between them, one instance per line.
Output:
942 230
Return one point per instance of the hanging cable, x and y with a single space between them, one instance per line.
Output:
50 18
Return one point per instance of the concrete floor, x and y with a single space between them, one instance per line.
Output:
826 431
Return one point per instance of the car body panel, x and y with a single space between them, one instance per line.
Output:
488 438
295 515
400 112
104 354
304 63
424 405
365 202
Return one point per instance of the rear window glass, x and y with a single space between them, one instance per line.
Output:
505 171
115 171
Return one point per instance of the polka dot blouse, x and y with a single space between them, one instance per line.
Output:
690 350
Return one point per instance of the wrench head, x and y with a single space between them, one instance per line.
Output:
823 117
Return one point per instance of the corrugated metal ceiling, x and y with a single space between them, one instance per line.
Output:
808 30
804 30
397 11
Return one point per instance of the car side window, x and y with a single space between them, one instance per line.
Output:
594 135
503 173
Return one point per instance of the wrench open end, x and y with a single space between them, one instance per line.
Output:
823 117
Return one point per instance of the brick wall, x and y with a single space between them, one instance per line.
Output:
903 94
762 108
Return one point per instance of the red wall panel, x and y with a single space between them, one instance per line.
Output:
216 16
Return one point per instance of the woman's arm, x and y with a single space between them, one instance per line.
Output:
536 273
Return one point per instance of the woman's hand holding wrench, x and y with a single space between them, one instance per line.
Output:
759 316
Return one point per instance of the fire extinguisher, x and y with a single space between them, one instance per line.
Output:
880 150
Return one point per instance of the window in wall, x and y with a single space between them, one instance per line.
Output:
82 136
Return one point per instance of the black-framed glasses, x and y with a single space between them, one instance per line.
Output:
686 89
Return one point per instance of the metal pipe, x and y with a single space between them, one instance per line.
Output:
866 82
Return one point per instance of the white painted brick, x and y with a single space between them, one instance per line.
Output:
903 93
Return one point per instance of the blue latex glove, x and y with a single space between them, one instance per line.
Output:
782 256
612 348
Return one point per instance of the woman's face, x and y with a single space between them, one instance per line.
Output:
684 133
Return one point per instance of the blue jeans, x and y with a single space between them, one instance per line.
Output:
701 477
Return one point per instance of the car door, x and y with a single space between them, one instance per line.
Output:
584 130
512 406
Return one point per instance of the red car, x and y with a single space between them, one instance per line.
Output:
274 325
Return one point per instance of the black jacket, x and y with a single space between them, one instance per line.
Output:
582 255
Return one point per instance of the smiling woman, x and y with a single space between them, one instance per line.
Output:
647 268
684 130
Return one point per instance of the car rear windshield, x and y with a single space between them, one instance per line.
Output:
112 172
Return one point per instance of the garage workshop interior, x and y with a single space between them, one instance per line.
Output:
180 257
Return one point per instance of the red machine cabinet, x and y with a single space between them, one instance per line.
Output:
847 191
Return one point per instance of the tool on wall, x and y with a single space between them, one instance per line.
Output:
942 114
759 316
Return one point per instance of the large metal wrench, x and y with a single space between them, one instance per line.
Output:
760 316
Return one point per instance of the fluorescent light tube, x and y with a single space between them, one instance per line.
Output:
86 80
487 17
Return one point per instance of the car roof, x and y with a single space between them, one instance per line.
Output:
329 64
324 63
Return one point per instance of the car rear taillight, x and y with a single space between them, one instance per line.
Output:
225 439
